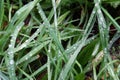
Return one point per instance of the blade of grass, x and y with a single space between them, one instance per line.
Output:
51 31
10 64
3 77
32 52
104 35
2 12
27 75
117 26
70 62
18 17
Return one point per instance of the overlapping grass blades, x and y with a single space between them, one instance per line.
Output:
51 47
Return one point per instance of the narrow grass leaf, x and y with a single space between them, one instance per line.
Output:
2 12
73 57
32 52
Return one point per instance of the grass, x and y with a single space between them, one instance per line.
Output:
45 42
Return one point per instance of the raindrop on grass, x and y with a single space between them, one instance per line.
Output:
30 55
11 40
11 62
96 4
26 58
10 52
49 51
67 49
26 41
10 46
99 11
74 47
93 12
24 45
18 12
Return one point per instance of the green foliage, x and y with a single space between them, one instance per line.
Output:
50 40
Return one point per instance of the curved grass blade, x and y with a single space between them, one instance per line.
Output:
2 12
18 17
32 52
10 64
73 57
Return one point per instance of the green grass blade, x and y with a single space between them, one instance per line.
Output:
11 64
32 52
1 12
73 57
117 26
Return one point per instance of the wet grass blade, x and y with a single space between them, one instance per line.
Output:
73 57
1 12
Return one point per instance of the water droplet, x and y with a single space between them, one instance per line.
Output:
10 52
93 38
88 24
10 46
105 49
110 41
74 47
49 51
30 55
38 29
99 11
26 41
18 13
96 4
35 34
99 1
102 20
67 49
11 62
24 45
11 40
26 58
93 12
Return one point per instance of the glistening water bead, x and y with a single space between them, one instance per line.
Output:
10 46
26 58
11 62
49 51
74 47
67 49
10 52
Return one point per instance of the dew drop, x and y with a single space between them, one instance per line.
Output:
11 62
10 52
99 11
10 46
93 12
74 47
92 38
99 1
38 29
67 49
39 12
96 4
11 40
26 41
35 34
110 41
24 45
105 49
30 55
18 13
26 58
49 51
